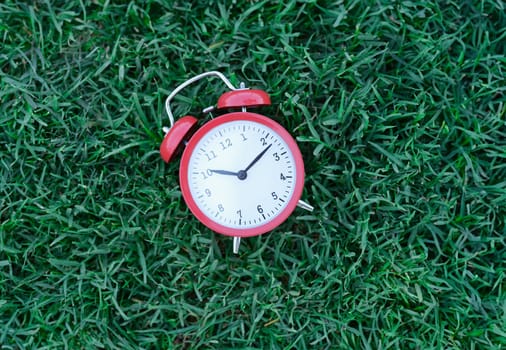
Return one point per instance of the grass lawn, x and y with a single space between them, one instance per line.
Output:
399 109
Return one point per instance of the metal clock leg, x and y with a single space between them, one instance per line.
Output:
304 205
236 244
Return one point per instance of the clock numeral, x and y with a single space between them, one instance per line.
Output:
244 138
276 157
211 155
226 144
264 142
260 209
274 195
220 208
239 212
283 177
207 191
206 174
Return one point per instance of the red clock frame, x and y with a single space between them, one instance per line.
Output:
299 177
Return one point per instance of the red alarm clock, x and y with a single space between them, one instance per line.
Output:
241 173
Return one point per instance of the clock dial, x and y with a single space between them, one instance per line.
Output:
242 174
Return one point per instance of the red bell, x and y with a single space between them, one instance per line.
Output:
176 136
243 98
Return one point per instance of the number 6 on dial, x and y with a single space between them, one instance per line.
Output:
241 174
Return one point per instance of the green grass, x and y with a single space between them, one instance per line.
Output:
399 109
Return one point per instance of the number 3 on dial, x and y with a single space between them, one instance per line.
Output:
242 174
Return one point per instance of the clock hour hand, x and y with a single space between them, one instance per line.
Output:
224 172
241 174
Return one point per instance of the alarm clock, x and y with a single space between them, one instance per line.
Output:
241 173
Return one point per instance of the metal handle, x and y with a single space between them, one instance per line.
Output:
189 82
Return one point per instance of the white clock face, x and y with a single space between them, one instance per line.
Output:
241 174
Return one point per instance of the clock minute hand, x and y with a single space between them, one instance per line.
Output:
257 158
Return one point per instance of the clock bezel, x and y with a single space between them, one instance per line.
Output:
291 203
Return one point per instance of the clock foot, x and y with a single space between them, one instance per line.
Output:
304 205
236 244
